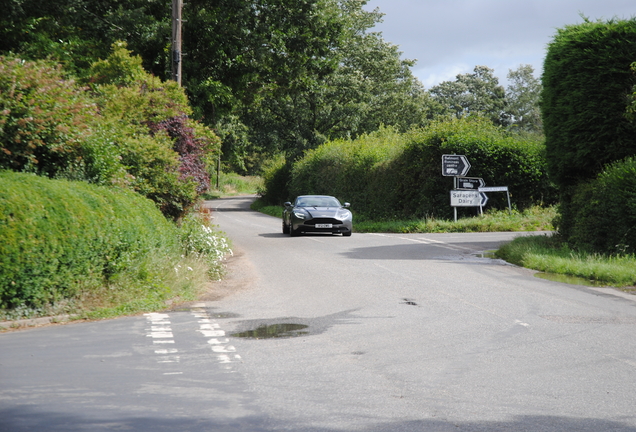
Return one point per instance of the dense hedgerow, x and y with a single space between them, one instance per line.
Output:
387 174
605 211
59 238
586 81
72 241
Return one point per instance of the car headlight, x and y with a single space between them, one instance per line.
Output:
344 215
299 214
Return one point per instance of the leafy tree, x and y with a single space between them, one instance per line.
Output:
522 97
473 93
294 72
371 86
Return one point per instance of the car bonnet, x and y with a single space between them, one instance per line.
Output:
317 212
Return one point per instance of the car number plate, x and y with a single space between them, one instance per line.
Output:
324 226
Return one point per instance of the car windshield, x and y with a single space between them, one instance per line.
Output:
317 202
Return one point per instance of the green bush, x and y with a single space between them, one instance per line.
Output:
127 128
604 211
60 240
276 175
44 118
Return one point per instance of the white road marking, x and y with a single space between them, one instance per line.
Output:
166 351
424 240
161 333
219 344
212 333
216 341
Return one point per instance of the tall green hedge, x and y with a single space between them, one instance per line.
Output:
358 171
387 174
586 81
60 238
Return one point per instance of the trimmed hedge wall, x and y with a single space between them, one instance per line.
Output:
60 238
586 81
387 174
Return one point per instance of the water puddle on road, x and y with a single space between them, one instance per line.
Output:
272 331
573 280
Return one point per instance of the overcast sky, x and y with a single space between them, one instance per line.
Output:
449 37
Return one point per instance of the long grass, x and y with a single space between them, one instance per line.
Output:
533 219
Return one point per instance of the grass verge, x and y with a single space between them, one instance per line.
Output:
548 254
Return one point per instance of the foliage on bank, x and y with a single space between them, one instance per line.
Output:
86 246
388 174
124 128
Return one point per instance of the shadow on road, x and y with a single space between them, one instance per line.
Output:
29 418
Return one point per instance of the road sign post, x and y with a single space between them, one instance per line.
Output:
498 189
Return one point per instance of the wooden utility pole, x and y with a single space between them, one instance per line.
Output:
177 5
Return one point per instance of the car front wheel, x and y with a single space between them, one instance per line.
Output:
292 231
285 228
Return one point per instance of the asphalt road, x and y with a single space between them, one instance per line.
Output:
374 332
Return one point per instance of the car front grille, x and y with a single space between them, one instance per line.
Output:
324 221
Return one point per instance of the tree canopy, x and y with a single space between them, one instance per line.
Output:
270 76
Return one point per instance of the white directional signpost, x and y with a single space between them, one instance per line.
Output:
468 198
467 191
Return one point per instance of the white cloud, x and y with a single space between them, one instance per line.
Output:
448 37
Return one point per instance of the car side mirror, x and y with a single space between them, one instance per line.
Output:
287 204
346 205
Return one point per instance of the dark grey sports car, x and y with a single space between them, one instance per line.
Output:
317 213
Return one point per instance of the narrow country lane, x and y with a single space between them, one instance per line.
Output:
373 332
